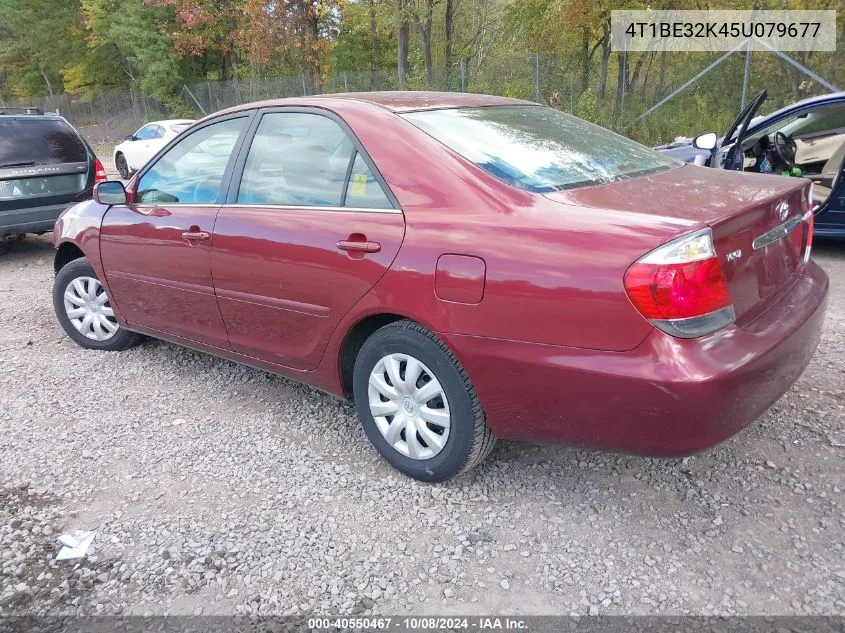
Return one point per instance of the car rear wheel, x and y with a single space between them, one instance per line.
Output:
122 166
417 405
84 310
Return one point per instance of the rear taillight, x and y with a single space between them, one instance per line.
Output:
808 218
100 174
680 287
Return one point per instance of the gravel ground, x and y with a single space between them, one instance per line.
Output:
219 489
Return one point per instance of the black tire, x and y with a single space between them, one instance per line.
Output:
122 339
469 441
122 166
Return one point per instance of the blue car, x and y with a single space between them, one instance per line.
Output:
803 140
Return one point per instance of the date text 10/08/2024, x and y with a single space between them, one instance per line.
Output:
424 623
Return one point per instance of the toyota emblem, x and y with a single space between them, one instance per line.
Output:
783 210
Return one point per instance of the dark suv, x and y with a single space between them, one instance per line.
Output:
45 167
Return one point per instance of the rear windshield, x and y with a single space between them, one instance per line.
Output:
33 140
537 148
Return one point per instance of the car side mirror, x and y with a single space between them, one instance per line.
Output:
110 192
129 137
705 141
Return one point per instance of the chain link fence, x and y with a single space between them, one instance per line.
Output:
692 97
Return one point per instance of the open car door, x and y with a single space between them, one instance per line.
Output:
729 156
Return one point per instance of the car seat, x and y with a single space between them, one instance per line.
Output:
824 183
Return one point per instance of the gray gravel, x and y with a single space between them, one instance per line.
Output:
219 489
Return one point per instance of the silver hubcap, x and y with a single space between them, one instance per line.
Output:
409 406
87 307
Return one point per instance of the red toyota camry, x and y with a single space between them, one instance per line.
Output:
464 267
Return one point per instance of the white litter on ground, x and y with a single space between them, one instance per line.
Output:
75 544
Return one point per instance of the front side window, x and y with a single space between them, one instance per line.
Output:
537 148
191 172
146 133
296 159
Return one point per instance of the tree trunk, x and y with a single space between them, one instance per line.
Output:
312 63
374 65
638 68
647 73
450 28
424 24
227 64
46 80
605 58
585 59
661 75
426 39
402 37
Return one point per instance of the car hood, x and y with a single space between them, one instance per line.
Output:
681 141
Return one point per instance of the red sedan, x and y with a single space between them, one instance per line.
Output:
464 267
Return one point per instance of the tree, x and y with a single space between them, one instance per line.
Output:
134 37
37 41
449 27
403 33
206 28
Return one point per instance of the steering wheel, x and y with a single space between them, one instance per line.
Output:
785 148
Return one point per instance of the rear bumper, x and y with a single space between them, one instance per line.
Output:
31 220
667 397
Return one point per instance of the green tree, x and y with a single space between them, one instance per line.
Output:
132 35
37 41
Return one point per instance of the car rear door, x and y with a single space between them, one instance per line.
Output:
156 249
308 228
44 167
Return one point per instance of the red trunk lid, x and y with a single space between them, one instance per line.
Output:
756 219
762 250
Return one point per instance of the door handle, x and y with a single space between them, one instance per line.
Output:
196 236
351 246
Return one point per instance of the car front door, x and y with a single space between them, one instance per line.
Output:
729 155
153 145
136 150
156 249
307 229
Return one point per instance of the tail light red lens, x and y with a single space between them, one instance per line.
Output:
677 291
100 174
808 218
681 288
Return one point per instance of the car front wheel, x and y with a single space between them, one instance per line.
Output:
417 405
122 166
84 310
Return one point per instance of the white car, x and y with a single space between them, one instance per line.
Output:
136 149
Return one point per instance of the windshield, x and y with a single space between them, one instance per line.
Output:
538 148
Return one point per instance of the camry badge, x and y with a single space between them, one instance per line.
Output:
734 255
783 210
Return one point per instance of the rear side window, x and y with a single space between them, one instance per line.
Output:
36 140
296 159
537 148
363 190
